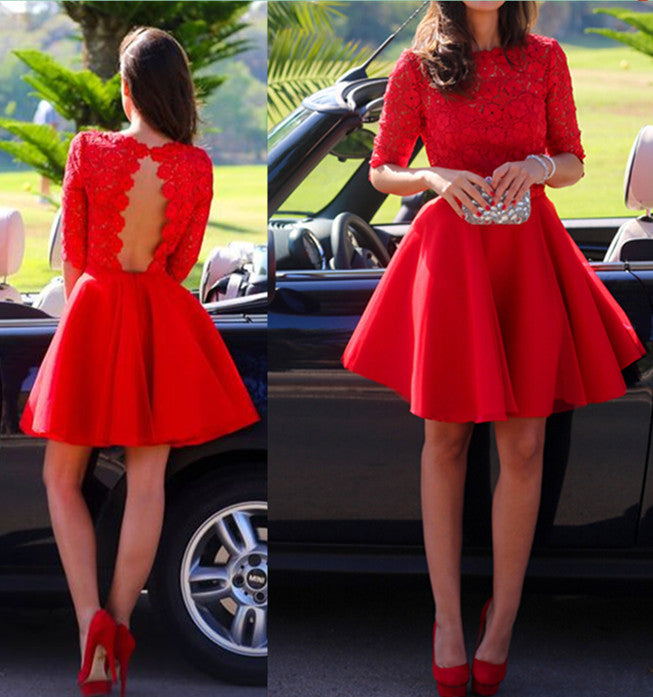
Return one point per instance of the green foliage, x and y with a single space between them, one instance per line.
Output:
304 53
40 146
313 17
79 96
641 40
205 29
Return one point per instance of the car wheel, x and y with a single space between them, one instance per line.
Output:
210 582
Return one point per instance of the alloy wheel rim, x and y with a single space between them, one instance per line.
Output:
224 578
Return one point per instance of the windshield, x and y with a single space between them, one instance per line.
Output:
287 125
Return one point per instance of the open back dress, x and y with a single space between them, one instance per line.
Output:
135 359
486 322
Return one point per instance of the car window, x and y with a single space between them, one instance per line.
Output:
322 185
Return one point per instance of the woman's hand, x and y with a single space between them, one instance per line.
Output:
515 179
458 187
455 186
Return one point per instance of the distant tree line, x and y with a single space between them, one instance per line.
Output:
370 21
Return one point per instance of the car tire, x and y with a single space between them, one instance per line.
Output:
209 583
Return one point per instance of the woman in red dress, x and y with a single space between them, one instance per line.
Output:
136 360
477 306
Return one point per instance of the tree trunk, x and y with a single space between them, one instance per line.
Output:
101 37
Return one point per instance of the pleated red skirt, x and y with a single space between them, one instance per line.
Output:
486 322
135 360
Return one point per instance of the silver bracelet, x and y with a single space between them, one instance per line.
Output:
547 162
553 165
543 162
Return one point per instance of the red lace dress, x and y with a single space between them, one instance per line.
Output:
135 359
485 322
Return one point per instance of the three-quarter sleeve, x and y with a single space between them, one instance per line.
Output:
401 120
562 132
74 207
185 254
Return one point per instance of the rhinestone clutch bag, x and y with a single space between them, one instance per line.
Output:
512 215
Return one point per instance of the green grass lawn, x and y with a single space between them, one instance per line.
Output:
238 213
613 89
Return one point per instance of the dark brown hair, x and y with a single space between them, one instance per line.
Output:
445 43
156 69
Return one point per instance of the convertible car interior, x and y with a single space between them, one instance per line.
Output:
331 240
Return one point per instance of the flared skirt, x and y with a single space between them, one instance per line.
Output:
136 360
487 322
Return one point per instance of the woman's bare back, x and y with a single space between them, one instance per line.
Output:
144 217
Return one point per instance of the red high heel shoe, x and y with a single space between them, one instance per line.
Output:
125 645
486 677
98 656
451 682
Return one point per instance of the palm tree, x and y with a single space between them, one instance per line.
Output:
304 54
91 97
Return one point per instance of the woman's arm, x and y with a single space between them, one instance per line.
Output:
70 275
569 170
455 186
515 178
74 217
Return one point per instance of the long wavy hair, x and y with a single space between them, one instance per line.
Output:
445 43
157 71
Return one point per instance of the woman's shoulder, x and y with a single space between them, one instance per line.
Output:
408 65
543 46
409 60
102 138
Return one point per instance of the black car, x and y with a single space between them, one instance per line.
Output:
209 583
345 451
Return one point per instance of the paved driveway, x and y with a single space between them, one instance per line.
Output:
38 658
354 637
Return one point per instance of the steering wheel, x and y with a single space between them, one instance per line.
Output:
370 252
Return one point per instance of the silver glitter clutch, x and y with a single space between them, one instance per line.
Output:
512 215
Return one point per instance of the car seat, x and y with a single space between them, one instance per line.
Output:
634 239
12 250
235 270
51 299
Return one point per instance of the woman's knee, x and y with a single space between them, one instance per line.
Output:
523 450
64 466
446 442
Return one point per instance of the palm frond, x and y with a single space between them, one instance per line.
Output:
638 40
641 40
301 63
640 20
311 16
41 147
80 96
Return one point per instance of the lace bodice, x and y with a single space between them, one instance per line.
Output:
97 179
515 108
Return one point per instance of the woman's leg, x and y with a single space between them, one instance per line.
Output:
63 474
141 527
444 464
520 443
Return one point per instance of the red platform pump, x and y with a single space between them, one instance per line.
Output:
451 682
486 677
125 645
98 656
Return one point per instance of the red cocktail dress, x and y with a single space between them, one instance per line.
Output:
485 322
135 359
